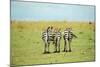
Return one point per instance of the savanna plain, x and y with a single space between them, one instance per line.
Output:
27 46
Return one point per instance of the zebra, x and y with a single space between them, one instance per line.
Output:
45 39
68 36
57 41
48 36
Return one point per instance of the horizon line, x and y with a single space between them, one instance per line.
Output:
57 20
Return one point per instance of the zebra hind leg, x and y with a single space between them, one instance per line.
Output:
45 48
65 46
58 45
69 45
48 47
55 47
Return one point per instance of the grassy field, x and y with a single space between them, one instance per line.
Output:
27 45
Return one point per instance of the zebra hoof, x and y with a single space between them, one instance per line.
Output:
44 52
48 52
70 50
66 51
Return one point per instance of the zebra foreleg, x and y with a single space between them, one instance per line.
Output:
69 42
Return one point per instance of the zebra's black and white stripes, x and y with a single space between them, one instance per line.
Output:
67 40
68 36
45 39
57 41
55 37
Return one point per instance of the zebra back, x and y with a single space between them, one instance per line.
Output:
68 34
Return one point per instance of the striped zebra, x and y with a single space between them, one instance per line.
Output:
51 36
45 38
57 41
68 36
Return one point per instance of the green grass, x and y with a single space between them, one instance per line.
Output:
27 46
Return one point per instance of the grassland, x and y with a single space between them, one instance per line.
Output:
27 45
